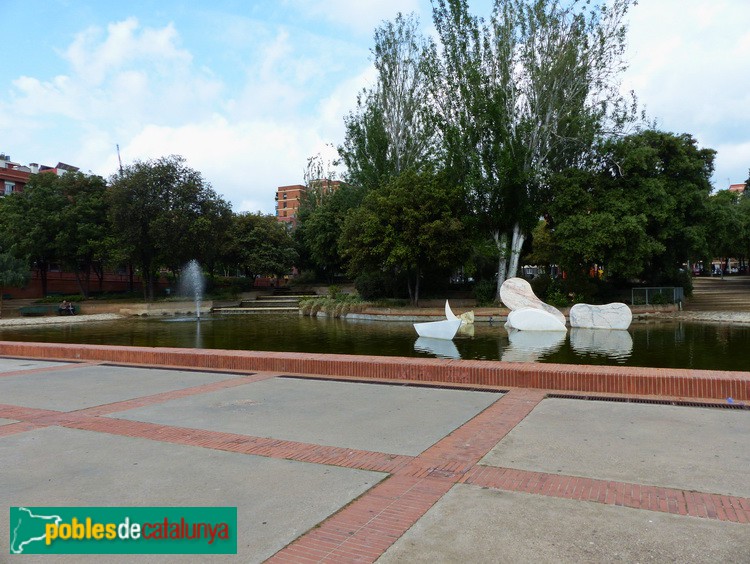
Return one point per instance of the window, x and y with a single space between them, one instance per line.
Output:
9 187
285 195
285 205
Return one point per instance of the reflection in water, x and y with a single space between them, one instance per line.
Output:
441 348
660 345
529 346
198 338
466 330
613 343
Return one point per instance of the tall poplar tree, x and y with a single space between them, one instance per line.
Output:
391 131
520 96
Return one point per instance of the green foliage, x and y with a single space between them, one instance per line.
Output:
390 132
32 219
641 214
319 229
484 292
522 96
374 285
541 284
165 214
557 298
334 306
411 224
260 245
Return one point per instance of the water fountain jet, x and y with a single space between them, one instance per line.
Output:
193 284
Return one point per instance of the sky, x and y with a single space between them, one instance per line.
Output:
248 90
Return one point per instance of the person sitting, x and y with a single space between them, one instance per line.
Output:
66 308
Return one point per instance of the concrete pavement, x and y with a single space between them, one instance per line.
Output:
324 470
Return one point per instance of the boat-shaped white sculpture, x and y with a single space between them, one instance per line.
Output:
532 319
445 329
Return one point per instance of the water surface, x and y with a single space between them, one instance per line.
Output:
669 344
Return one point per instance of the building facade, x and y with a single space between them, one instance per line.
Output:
289 198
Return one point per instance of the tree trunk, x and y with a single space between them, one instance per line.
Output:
79 282
408 286
43 279
515 250
130 277
501 242
416 289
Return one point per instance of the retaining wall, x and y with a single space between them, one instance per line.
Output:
631 382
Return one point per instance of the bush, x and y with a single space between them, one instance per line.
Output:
372 285
335 307
484 292
557 298
541 285
658 299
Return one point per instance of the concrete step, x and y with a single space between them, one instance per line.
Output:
241 310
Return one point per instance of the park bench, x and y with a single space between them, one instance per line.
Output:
44 309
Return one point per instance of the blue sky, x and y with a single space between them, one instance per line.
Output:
247 90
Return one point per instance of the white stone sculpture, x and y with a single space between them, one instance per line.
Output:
516 293
530 346
532 319
467 318
610 316
438 347
613 343
445 329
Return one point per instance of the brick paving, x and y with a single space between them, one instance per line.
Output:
364 529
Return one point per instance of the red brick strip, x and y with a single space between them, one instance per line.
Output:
363 530
651 498
233 442
20 427
20 413
625 380
175 394
463 448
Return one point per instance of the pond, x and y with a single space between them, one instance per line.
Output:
660 345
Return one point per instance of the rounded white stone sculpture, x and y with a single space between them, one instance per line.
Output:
516 293
610 316
532 319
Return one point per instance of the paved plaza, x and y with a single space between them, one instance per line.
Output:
344 471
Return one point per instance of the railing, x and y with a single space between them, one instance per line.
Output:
657 295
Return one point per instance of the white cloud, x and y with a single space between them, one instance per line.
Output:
690 67
243 161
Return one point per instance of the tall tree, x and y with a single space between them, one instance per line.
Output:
521 96
320 226
14 273
261 246
160 209
32 220
390 131
407 226
84 227
642 214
